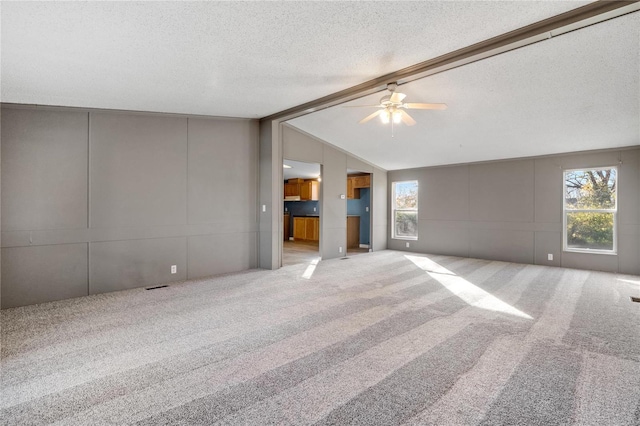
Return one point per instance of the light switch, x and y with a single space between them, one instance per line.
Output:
342 197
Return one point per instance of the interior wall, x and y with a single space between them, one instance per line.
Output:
299 146
512 210
98 201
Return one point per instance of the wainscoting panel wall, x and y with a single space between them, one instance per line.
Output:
44 170
138 170
96 201
38 274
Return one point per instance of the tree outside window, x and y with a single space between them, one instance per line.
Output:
590 208
405 210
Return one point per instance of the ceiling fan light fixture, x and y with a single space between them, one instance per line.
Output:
397 117
385 116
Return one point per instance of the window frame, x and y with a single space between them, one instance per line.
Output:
565 247
394 209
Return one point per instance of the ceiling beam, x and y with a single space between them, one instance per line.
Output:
572 20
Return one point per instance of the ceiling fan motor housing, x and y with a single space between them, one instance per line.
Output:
385 101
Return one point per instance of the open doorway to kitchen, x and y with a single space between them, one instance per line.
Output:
358 212
301 221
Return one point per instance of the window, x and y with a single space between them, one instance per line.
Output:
590 210
404 202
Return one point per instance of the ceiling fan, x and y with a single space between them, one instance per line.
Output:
392 108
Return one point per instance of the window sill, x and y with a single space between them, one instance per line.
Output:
587 251
405 238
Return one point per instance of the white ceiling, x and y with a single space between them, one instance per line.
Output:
301 170
239 59
578 91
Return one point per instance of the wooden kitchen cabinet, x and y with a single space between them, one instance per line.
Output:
353 232
291 189
354 183
362 181
299 228
310 229
309 190
286 224
306 228
352 192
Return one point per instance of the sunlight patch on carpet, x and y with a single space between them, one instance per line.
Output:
470 293
308 273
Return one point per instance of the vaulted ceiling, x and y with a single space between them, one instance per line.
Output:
252 59
579 91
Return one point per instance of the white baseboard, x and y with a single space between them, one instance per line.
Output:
364 245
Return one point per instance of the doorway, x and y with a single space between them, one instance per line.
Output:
301 212
358 212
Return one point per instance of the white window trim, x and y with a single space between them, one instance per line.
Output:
393 210
614 250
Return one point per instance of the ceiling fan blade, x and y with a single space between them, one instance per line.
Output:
370 117
362 106
424 106
406 118
397 97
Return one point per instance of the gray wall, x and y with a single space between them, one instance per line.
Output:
300 146
512 210
100 201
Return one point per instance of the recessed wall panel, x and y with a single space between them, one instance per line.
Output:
629 188
40 274
221 253
502 191
501 244
548 190
223 171
629 249
44 169
444 193
450 238
548 243
597 262
122 265
138 170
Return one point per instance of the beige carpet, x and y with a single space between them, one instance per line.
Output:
381 338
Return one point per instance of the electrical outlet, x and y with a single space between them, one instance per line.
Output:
314 209
339 249
264 207
286 209
407 244
342 197
366 209
174 269
550 256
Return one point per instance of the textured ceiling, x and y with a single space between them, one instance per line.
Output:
578 91
238 59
